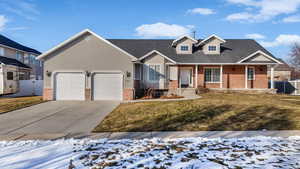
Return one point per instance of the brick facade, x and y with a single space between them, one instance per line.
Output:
88 94
173 84
234 77
48 94
128 94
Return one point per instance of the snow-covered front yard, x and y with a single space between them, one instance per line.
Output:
193 153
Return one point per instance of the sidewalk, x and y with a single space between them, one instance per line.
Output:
149 135
204 134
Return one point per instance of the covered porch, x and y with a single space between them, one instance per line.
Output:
220 77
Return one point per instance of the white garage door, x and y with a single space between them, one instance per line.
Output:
70 86
107 86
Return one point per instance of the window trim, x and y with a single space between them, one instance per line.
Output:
251 67
12 75
220 81
185 45
148 72
208 48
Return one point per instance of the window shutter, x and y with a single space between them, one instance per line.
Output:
173 73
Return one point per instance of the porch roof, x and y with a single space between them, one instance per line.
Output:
13 62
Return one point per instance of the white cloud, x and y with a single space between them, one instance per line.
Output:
3 21
255 36
23 8
162 30
18 28
291 19
201 11
239 16
282 40
266 9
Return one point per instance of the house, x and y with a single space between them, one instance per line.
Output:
282 72
89 67
23 54
17 62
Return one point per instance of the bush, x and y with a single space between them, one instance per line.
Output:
201 89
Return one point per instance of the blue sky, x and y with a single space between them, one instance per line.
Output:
43 24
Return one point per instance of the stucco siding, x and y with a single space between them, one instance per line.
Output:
88 53
214 41
185 41
155 59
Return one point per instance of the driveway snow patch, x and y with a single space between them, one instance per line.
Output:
187 153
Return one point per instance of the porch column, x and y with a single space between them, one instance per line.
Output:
246 77
272 77
196 76
221 77
179 77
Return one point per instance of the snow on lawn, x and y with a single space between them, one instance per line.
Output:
188 153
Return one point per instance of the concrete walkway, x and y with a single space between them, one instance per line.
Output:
143 135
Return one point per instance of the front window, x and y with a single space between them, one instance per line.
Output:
26 59
10 76
212 75
19 56
212 48
251 73
154 72
1 51
32 59
184 48
22 75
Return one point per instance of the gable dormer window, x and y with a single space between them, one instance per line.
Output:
212 48
184 48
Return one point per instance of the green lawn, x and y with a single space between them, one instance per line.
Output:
10 104
215 111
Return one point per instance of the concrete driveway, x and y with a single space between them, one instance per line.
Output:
56 117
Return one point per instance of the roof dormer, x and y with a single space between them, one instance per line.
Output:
184 44
212 45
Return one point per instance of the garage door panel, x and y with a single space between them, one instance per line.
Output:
70 86
107 86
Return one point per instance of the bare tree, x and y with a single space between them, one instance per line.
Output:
294 58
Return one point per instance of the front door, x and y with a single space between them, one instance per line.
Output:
185 77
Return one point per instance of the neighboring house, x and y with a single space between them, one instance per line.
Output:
11 71
295 74
17 62
89 67
23 54
282 72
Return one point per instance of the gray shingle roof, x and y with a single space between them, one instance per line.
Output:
232 51
14 62
10 43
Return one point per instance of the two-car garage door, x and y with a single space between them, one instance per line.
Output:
105 86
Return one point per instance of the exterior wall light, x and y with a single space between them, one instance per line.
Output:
88 74
128 74
48 73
